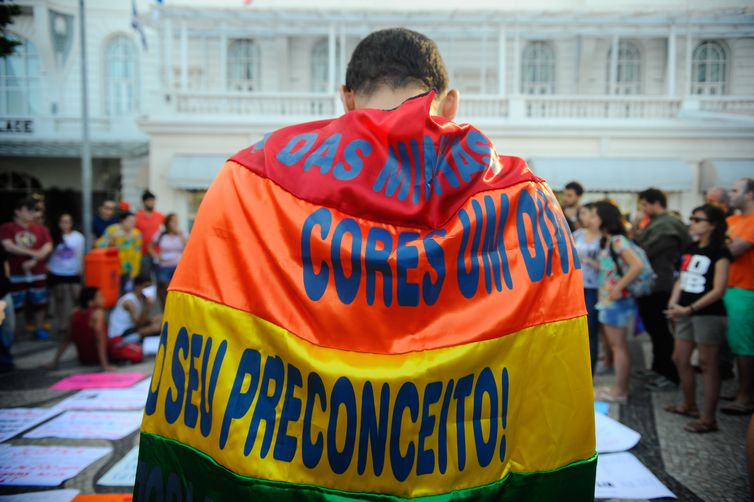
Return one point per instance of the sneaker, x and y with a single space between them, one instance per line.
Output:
662 384
646 374
42 334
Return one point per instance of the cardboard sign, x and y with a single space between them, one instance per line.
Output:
613 436
132 398
14 421
98 381
44 465
622 476
44 496
89 425
124 472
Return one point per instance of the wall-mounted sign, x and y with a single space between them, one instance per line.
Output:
16 126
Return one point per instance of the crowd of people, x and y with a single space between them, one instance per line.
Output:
690 287
40 263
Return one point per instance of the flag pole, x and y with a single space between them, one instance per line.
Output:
86 151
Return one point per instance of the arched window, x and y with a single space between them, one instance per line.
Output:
708 71
20 80
121 76
628 74
320 66
538 69
243 65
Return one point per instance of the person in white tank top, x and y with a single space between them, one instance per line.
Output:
130 318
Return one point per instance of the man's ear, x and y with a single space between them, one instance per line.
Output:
347 98
448 105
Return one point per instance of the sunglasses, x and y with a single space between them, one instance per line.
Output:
696 219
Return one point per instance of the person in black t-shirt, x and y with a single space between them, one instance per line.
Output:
697 309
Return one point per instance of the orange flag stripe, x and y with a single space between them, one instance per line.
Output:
340 281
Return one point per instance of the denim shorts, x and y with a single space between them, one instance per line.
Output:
617 313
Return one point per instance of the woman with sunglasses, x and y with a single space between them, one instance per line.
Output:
698 311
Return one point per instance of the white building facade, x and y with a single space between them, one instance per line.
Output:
617 97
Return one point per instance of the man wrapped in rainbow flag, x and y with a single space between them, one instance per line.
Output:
374 307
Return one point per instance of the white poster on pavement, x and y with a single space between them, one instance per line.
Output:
150 345
124 472
622 476
44 465
89 425
132 398
44 496
613 436
14 421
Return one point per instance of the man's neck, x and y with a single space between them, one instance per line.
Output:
748 209
20 222
385 98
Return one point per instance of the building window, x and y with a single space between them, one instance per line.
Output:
243 65
320 66
121 76
628 74
709 63
20 80
538 69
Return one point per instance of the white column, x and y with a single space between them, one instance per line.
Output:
169 55
483 69
223 62
614 64
184 56
671 63
501 58
341 76
331 59
687 84
516 70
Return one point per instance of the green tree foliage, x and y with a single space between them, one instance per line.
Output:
7 11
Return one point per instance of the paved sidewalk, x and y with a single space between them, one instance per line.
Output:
696 467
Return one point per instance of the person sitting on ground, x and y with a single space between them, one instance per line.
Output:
696 307
87 332
130 321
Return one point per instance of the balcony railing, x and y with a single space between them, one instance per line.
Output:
601 107
506 109
255 104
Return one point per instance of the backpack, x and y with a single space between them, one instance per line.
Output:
642 284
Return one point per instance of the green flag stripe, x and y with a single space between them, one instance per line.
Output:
169 470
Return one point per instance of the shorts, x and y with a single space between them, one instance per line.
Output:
739 303
126 348
618 313
701 329
165 274
55 279
31 288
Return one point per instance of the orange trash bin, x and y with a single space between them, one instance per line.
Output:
102 270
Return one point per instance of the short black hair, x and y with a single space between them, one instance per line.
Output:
142 278
653 195
396 57
29 204
146 195
576 187
87 295
749 184
124 215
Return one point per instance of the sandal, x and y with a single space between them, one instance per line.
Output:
604 394
683 409
736 408
700 427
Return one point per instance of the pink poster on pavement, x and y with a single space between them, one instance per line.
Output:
98 381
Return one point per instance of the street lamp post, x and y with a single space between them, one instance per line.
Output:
86 152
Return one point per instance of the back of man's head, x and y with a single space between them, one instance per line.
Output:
396 58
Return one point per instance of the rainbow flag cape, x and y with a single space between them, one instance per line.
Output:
375 307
